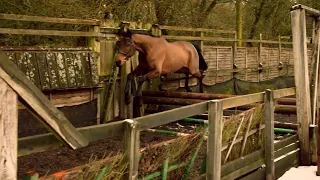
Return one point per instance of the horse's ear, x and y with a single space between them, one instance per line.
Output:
125 32
128 33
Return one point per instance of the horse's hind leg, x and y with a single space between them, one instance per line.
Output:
186 84
200 77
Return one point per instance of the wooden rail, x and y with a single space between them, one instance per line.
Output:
48 19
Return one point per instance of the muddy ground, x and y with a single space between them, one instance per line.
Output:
53 161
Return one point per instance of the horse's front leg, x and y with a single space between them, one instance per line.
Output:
139 70
141 79
127 90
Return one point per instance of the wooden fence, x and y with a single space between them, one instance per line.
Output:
132 128
65 68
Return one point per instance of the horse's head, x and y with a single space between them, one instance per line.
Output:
126 47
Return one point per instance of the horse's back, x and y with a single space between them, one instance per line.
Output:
180 54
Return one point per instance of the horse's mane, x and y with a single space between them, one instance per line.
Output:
143 32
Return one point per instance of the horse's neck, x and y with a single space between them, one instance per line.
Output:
143 42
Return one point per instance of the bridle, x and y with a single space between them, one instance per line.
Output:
131 50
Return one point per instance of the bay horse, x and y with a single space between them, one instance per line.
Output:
158 57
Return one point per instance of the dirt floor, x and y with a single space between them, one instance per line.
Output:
64 158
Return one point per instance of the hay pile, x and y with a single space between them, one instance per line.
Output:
231 125
177 152
108 169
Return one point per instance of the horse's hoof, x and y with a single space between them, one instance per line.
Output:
189 90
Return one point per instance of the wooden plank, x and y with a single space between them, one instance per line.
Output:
215 112
71 73
53 70
281 167
48 32
255 160
269 134
34 69
154 120
286 149
315 67
196 38
22 62
132 146
43 142
79 71
300 55
285 142
8 131
61 69
233 166
43 71
309 10
279 93
244 170
242 100
93 58
48 19
86 70
180 28
40 104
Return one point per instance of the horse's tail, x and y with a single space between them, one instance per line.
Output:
202 63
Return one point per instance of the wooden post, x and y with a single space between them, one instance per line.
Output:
234 54
239 12
316 134
107 49
214 140
280 64
8 131
315 67
260 59
131 147
125 70
94 45
314 84
201 42
269 133
298 21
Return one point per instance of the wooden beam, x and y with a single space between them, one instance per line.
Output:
40 104
48 32
279 93
242 100
309 11
48 19
315 67
8 131
154 120
179 28
43 142
214 140
269 134
300 56
208 96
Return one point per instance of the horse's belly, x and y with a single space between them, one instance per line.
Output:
170 67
